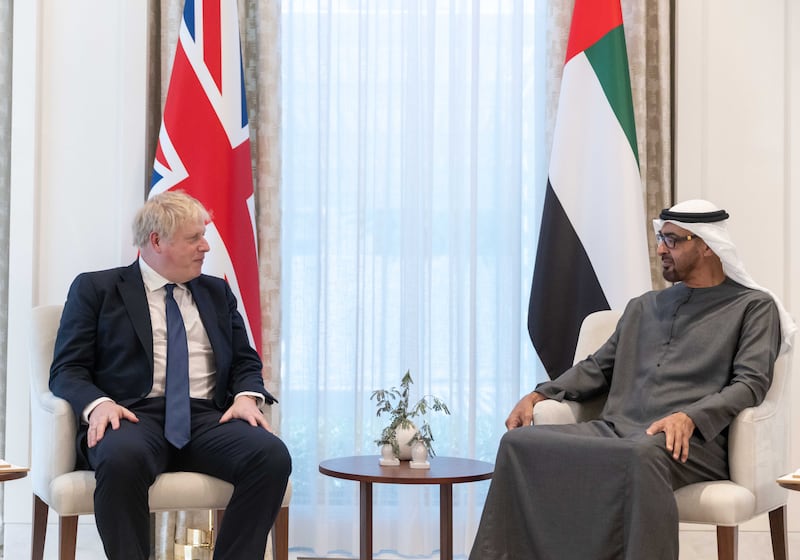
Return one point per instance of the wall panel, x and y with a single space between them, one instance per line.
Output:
78 169
736 139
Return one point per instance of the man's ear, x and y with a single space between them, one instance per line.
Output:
712 257
155 240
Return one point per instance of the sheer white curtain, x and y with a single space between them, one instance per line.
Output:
412 172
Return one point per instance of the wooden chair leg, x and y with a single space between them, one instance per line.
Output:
727 543
777 530
280 535
38 528
67 536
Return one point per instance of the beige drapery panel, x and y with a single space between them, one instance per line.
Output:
259 22
6 11
648 37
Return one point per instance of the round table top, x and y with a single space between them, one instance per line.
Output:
790 481
444 470
12 473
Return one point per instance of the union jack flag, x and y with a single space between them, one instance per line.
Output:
204 146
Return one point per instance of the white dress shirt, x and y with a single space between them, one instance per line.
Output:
201 356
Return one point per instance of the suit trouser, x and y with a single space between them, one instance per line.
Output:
127 460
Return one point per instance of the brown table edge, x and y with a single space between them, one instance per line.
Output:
14 473
407 480
789 482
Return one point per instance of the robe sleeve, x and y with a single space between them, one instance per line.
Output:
589 377
751 374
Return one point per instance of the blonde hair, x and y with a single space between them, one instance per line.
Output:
164 213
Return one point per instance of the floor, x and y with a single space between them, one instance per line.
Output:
695 545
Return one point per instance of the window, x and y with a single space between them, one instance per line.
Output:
411 190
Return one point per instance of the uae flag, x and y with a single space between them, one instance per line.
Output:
592 251
204 146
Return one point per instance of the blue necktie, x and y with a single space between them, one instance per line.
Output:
177 421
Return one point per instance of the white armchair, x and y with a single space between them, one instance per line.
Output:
757 449
69 492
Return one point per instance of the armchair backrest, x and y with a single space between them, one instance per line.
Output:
595 330
53 426
44 328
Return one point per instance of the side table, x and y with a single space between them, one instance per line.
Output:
444 471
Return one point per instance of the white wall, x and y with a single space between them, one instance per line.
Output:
78 154
77 172
738 140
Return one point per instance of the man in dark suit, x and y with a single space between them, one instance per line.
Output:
120 360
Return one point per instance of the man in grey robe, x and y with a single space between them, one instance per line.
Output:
681 364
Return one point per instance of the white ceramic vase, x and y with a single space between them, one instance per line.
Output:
405 436
419 456
387 456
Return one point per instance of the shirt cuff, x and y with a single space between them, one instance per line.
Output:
91 406
258 396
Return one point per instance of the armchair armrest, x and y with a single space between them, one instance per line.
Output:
555 412
53 447
758 452
758 442
567 412
53 425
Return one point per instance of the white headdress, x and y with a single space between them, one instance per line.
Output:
709 222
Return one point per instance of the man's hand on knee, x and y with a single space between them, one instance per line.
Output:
104 414
678 429
244 407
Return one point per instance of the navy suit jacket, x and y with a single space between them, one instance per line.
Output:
104 346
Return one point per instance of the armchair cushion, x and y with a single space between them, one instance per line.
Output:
72 493
719 502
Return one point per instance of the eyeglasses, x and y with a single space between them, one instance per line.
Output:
672 240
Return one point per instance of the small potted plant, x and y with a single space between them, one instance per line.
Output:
394 402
